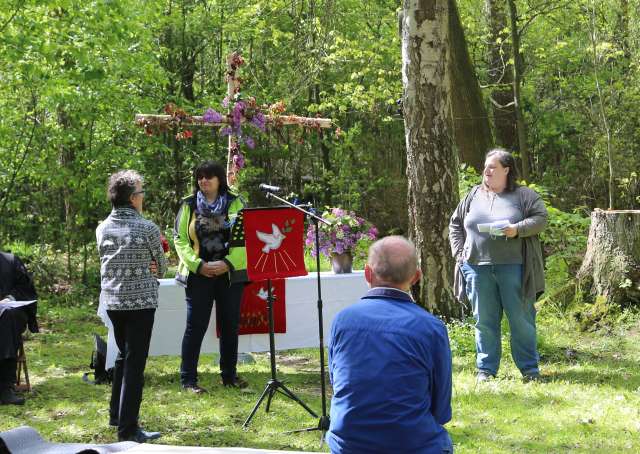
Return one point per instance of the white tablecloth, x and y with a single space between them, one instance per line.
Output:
338 292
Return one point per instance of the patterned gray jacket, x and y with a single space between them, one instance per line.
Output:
127 243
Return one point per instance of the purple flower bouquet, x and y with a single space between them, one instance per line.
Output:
347 233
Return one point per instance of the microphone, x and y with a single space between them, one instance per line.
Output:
269 188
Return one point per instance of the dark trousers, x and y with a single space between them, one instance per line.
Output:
132 331
12 323
200 295
8 369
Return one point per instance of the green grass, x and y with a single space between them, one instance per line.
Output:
589 400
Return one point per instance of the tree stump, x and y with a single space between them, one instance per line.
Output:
610 272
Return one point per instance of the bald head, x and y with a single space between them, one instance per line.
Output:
393 262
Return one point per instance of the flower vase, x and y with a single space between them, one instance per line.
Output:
341 263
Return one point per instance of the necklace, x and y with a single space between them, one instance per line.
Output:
491 196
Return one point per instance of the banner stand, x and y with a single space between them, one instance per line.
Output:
323 420
273 385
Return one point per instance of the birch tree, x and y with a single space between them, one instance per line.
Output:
431 158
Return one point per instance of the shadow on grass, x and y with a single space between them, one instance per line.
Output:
587 368
64 409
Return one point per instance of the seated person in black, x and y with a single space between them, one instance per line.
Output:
15 284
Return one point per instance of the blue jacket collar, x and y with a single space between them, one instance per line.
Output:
388 292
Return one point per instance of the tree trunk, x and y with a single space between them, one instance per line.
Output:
610 272
622 28
523 148
500 75
471 128
431 159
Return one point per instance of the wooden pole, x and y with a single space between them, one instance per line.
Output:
233 86
197 120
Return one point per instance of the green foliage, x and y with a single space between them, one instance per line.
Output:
74 76
468 177
461 337
595 316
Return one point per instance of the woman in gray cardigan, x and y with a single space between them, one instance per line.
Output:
131 261
494 239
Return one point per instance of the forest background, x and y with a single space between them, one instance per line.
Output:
73 75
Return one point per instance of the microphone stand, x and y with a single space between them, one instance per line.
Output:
323 422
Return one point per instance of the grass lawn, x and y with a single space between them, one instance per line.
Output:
589 400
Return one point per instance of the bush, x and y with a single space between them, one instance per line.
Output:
54 280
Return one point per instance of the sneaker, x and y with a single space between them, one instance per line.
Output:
483 376
236 382
195 389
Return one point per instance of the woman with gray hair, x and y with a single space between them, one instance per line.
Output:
131 260
494 239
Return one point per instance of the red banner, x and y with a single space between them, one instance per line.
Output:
274 242
254 316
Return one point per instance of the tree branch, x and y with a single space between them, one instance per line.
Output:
5 197
15 13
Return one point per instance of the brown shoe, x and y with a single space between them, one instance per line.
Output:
195 389
236 382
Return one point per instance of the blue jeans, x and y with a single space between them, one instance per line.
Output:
492 289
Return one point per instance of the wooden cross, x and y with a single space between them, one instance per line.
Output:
234 61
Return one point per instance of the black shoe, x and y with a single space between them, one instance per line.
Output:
195 389
9 397
141 436
531 376
236 382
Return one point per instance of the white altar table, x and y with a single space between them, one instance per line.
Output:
338 292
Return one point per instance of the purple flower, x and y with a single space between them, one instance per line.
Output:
211 116
238 160
236 116
225 131
259 121
225 102
250 143
349 233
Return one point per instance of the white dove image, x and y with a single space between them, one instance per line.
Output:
271 240
262 293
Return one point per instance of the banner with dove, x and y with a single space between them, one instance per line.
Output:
274 243
254 317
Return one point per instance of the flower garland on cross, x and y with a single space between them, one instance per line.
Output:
240 110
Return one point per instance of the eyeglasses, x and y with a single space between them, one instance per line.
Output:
204 177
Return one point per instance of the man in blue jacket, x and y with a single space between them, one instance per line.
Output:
389 364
